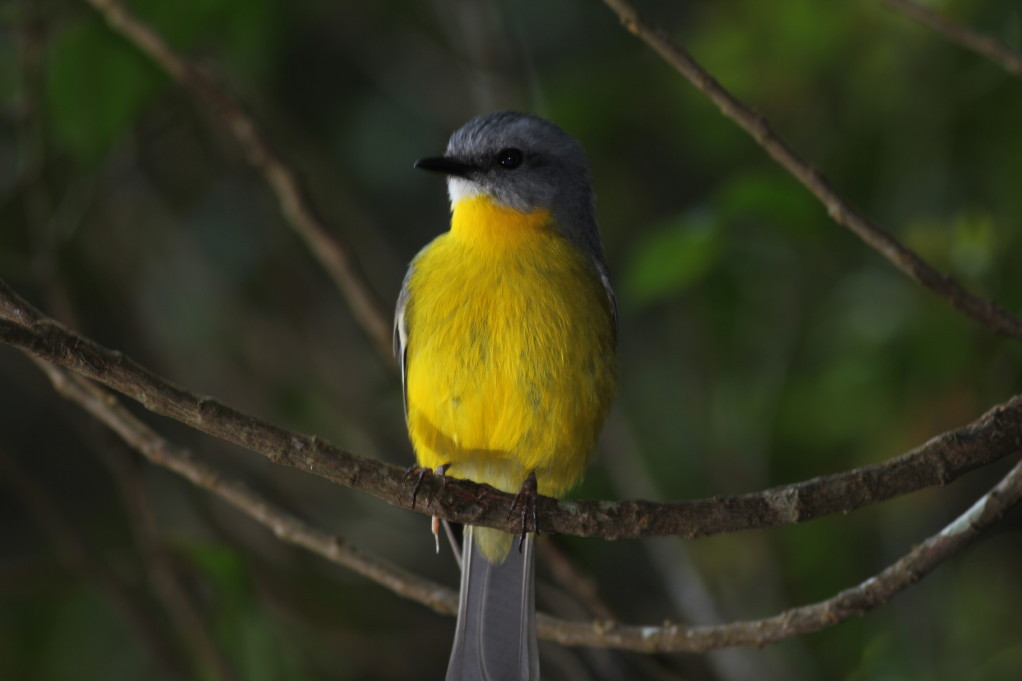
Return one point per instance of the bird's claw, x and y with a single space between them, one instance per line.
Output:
420 472
526 497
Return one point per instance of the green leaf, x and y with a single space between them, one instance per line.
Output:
974 245
225 567
672 257
242 34
95 87
773 197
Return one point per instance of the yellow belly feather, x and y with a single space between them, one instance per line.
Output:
510 356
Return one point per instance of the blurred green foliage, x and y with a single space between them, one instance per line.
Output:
671 258
96 85
760 342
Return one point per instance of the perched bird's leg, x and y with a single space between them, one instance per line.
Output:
413 470
441 471
527 498
419 472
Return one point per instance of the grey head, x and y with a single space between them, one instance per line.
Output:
524 162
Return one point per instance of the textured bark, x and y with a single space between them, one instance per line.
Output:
939 461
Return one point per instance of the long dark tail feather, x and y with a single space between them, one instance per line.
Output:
495 639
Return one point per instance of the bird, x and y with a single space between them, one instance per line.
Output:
506 332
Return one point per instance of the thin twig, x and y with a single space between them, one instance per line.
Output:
298 208
857 600
942 459
209 662
287 527
574 581
755 124
971 39
993 436
672 638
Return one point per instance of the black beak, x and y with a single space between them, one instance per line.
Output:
445 165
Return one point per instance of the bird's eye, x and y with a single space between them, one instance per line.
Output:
509 158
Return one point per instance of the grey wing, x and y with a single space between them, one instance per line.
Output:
401 337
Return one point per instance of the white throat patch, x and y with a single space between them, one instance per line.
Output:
459 188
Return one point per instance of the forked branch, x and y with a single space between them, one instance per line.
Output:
604 634
996 434
857 600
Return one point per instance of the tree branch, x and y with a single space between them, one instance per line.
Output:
857 600
941 460
326 244
605 634
983 45
938 461
105 408
755 124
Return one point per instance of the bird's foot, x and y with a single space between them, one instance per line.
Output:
435 526
420 472
526 498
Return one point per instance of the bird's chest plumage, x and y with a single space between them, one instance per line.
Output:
510 360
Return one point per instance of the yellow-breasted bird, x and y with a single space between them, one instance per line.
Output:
506 329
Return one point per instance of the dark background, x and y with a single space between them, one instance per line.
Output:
760 342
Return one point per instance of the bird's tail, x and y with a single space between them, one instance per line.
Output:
495 639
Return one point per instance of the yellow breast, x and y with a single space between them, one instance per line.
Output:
510 361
